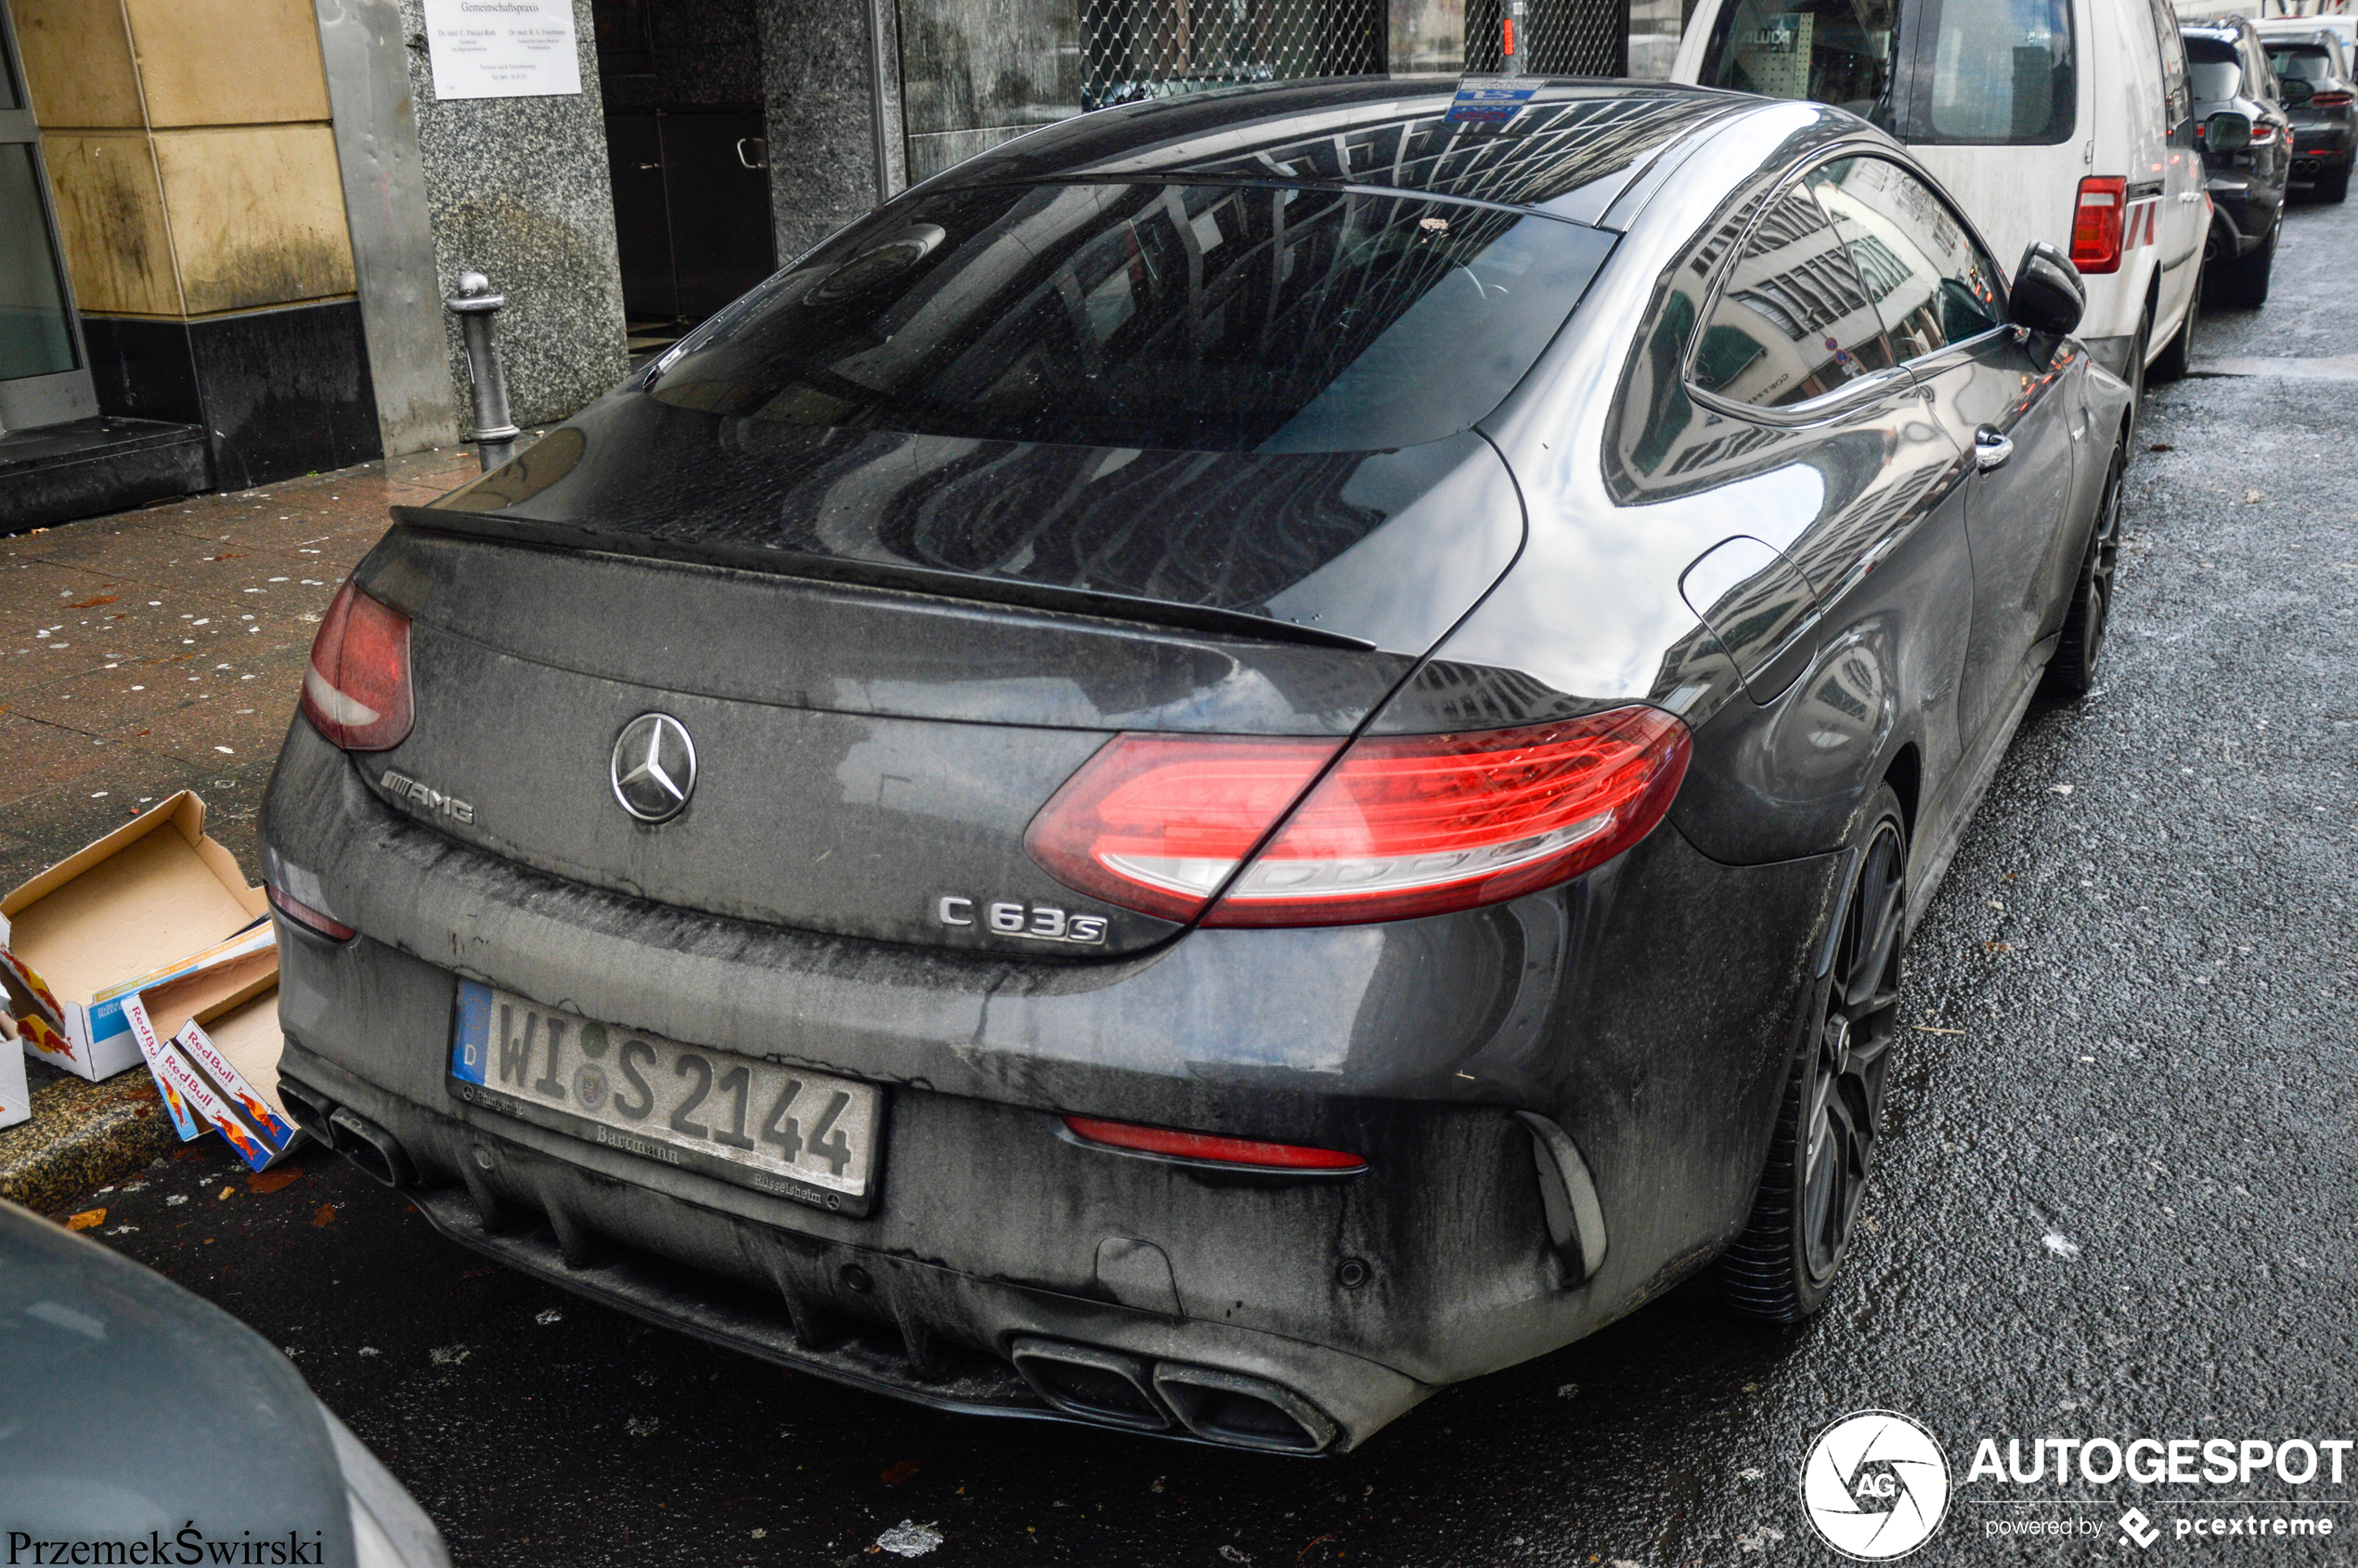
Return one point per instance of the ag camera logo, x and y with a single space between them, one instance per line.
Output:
1875 1485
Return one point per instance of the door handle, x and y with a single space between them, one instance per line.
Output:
760 158
1992 447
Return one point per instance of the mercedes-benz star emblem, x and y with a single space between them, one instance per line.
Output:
654 767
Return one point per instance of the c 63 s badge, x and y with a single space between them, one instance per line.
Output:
1037 923
408 791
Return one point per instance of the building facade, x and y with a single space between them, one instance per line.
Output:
226 226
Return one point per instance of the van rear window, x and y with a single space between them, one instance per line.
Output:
1988 73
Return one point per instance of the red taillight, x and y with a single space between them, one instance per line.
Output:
1401 825
303 914
356 691
2096 223
2262 133
1209 1146
2336 99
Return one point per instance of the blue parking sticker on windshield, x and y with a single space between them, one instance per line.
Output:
1487 104
471 1044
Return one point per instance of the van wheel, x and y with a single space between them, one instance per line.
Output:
1782 1267
2179 350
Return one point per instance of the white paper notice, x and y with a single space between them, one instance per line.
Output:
502 48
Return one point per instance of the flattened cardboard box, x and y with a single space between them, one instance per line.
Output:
154 906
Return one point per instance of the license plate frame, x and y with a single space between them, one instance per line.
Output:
505 1063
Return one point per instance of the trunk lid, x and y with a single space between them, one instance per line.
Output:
866 744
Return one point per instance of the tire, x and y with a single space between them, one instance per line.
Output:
1782 1269
2134 371
2072 672
2334 187
2180 351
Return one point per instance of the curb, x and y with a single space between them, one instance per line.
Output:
82 1135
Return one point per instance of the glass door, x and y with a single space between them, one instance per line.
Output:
44 376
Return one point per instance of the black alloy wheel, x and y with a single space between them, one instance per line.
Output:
1783 1268
2072 672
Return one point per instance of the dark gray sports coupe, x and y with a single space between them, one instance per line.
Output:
1260 752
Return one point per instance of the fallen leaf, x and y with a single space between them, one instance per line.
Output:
94 604
1997 947
324 1215
271 1181
895 1474
227 1192
2161 447
89 1219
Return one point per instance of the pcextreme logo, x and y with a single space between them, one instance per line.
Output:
1875 1485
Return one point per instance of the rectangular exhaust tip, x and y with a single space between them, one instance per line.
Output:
1243 1412
1102 1385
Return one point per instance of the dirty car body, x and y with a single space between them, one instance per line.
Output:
786 729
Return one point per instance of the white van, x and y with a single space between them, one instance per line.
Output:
2068 120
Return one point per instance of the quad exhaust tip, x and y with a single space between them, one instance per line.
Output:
1229 1409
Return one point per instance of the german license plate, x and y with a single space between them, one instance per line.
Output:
777 1129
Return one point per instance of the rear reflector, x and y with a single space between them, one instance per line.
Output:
1402 826
1209 1146
356 691
2097 224
304 915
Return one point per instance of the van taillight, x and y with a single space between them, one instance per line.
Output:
356 691
2096 223
1401 825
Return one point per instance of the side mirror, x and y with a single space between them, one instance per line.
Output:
2048 297
2226 131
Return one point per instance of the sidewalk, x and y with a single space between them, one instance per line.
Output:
150 652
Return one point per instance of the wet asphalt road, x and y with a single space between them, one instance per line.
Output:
2117 1198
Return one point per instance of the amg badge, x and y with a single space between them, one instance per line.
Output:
408 791
1007 918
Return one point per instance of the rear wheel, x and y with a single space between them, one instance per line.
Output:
2334 187
2180 351
2072 672
1803 1214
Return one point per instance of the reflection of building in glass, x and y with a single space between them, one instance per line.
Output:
1794 322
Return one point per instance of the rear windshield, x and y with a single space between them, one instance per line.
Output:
2213 70
1213 317
1986 71
2304 63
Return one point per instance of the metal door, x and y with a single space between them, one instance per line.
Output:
45 373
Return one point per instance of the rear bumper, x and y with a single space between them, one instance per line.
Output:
1646 1010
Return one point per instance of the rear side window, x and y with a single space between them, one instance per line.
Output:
1217 318
2175 88
1794 320
1932 284
1982 71
2002 71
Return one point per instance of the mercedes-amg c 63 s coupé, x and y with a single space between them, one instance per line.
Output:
1257 752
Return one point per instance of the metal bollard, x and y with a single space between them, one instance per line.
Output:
474 305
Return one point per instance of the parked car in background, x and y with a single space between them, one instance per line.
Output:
2246 138
1255 754
2314 74
2342 25
129 1407
2066 121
